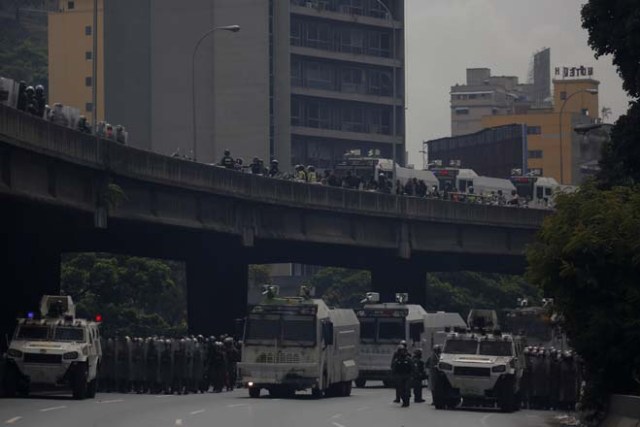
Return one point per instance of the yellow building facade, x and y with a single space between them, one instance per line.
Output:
551 139
71 56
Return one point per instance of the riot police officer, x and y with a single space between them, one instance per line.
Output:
232 359
255 167
402 369
273 169
419 374
227 161
152 365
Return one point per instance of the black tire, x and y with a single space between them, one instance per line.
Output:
10 381
92 388
79 384
254 392
316 393
453 403
360 382
347 389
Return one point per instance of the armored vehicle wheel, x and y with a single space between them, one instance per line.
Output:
92 388
79 382
453 403
254 392
360 382
347 388
439 404
316 393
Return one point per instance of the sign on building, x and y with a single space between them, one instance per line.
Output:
574 72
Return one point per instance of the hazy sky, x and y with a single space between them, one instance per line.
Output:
445 37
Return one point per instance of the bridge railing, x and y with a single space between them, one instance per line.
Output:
147 166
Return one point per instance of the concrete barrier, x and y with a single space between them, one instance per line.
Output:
624 411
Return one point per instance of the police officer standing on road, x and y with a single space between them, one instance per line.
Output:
403 369
419 374
403 344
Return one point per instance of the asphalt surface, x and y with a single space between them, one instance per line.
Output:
370 407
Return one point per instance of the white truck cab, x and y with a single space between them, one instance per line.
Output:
298 343
54 350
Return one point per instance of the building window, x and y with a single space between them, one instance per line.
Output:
462 111
535 154
88 107
534 130
71 5
88 55
87 30
88 81
563 96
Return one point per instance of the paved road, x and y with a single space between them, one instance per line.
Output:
369 407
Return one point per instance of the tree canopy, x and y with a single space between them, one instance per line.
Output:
135 296
588 259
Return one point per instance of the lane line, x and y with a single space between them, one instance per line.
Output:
13 420
110 401
199 411
337 424
53 408
336 416
178 422
236 405
484 419
364 408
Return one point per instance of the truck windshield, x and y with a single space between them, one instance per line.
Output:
496 348
260 328
391 329
288 329
367 329
69 334
461 347
299 329
32 332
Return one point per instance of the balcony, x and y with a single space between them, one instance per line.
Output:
347 15
345 135
354 96
344 56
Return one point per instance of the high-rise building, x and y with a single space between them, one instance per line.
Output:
71 55
303 81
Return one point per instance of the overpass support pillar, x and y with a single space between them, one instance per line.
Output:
216 294
30 266
398 276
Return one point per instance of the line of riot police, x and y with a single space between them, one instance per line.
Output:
170 366
552 379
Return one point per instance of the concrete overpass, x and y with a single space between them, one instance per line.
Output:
64 191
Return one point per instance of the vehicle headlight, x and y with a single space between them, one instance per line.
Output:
70 355
14 353
444 366
498 369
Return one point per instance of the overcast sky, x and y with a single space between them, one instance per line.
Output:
445 37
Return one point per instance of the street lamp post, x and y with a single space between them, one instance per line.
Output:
395 83
230 28
590 91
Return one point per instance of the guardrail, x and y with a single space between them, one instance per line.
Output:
31 132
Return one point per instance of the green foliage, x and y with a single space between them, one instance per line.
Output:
23 48
587 258
342 287
259 274
136 296
614 29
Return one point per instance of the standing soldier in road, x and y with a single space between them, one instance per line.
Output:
166 366
403 344
123 364
232 358
190 381
179 366
569 382
419 374
526 379
198 365
554 378
109 365
402 369
152 365
138 363
218 367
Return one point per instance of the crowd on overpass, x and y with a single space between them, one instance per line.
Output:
412 188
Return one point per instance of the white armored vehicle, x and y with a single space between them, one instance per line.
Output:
479 366
299 343
385 325
54 350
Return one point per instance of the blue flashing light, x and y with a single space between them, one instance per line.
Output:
30 315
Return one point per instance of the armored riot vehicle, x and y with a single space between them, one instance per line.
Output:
385 325
299 343
54 350
480 366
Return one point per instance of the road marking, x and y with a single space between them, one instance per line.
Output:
484 419
111 401
236 405
336 416
199 411
364 408
337 424
13 420
178 422
53 408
